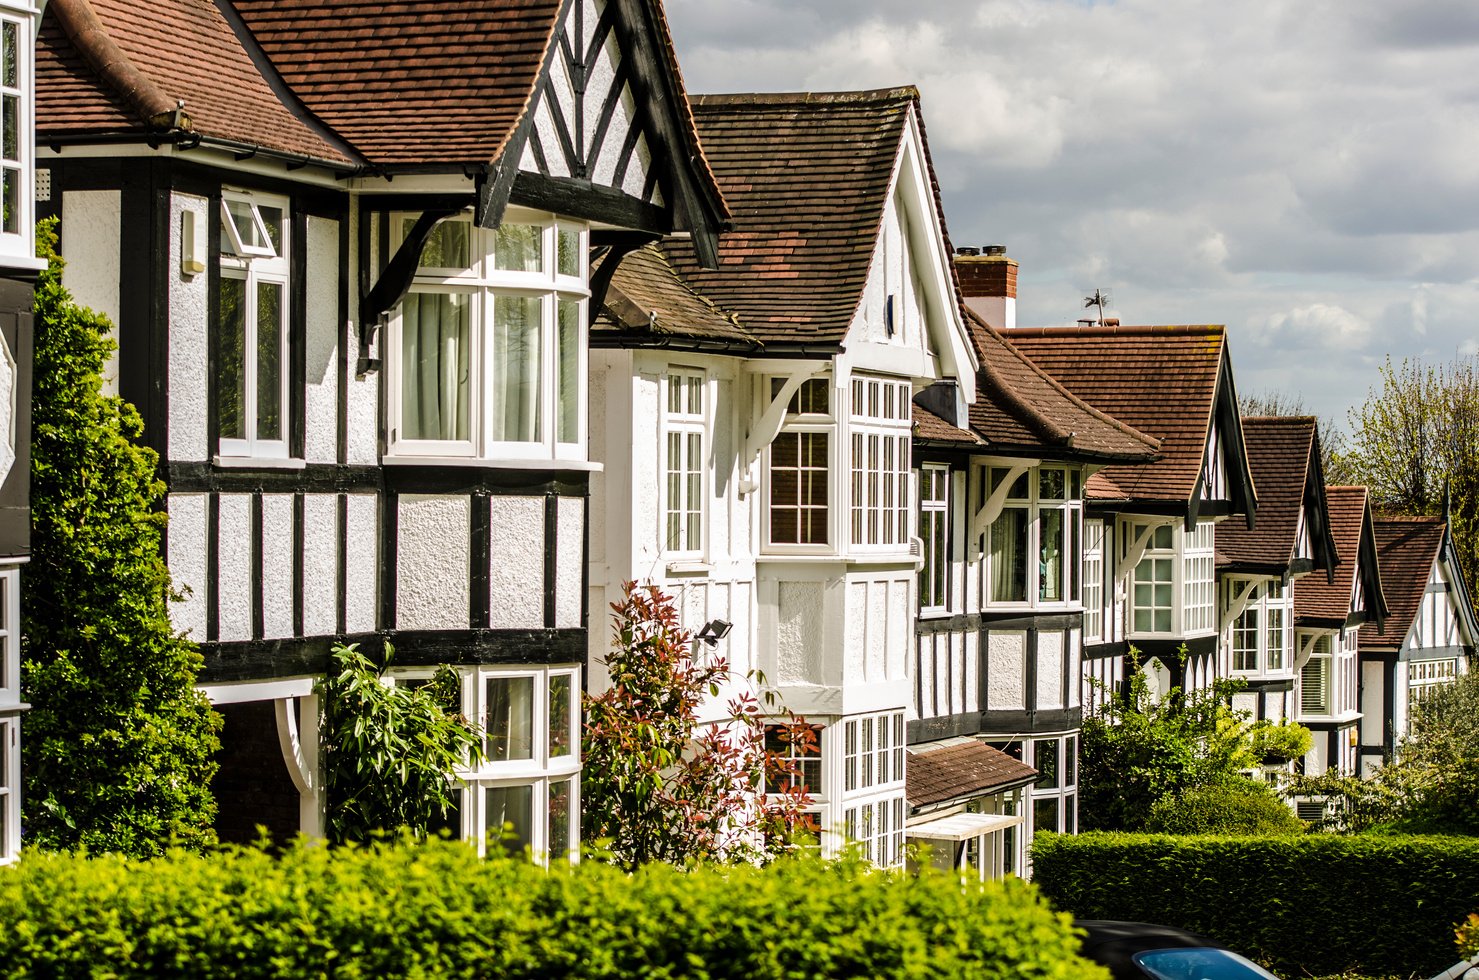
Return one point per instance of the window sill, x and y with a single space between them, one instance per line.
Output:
257 463
689 566
572 465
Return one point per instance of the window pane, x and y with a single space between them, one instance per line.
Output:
231 340
561 702
519 248
1009 556
567 384
447 246
517 356
1070 760
798 488
272 221
10 195
567 247
1045 814
1050 484
451 821
509 721
559 819
694 493
11 126
1050 563
270 367
436 367
11 75
245 224
1046 763
508 813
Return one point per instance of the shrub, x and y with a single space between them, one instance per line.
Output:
1243 808
436 910
117 753
1311 905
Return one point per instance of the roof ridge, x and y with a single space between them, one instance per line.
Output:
899 93
85 31
1282 419
1128 330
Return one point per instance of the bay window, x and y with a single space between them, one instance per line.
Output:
16 192
799 466
1173 587
1315 678
252 326
873 782
1032 546
1093 581
1054 796
487 348
1260 634
683 463
880 421
934 531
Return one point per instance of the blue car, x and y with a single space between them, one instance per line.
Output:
1138 950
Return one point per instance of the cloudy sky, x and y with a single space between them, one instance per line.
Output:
1304 171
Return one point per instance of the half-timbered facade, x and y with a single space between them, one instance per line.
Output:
1328 614
346 247
1260 570
1428 640
756 425
18 269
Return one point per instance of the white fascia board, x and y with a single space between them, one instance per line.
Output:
236 692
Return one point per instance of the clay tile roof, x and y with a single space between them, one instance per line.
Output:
1314 597
960 769
806 177
1161 380
930 427
648 301
108 67
1406 549
1019 405
1280 451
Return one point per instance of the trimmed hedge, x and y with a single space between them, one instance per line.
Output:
1245 809
436 910
1313 905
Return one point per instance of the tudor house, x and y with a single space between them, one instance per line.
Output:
351 283
1329 612
18 269
1149 559
1002 590
754 425
1427 640
1261 570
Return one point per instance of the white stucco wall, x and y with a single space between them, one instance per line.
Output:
277 565
569 561
234 566
364 394
361 562
321 403
516 578
799 634
91 231
432 564
189 330
1006 658
320 564
187 561
1050 655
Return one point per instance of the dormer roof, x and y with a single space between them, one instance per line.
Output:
1284 456
1326 603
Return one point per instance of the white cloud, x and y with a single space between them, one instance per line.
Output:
1318 326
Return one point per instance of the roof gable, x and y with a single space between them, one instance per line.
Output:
1409 548
1284 456
1331 601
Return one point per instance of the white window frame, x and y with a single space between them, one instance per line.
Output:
1426 676
21 241
1034 505
1064 790
10 718
936 481
1324 660
804 422
1262 609
1198 579
685 423
485 283
880 426
1192 561
256 265
1091 588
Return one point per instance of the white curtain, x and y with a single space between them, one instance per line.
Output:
436 354
517 356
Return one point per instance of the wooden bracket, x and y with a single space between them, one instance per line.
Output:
991 509
763 432
1135 551
1239 604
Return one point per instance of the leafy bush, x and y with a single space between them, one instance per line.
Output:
436 910
117 754
1467 936
1244 808
389 750
1311 905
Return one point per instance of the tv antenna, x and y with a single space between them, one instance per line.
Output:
1101 299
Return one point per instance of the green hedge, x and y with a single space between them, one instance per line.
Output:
1312 905
435 910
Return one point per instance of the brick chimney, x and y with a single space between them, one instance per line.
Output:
988 281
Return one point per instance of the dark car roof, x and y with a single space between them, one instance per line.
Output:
1112 943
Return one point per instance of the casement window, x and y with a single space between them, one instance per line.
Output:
934 531
16 191
1093 581
1032 546
526 792
799 467
252 326
1054 797
1152 592
487 350
10 719
1315 680
683 463
1173 587
1260 634
1198 580
1424 677
880 422
878 828
873 782
807 764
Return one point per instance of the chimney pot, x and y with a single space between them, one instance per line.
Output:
993 250
1111 321
968 250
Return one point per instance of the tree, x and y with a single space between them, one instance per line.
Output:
657 784
1281 404
389 750
117 754
1415 444
1140 750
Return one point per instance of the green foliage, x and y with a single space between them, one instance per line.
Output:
434 910
117 754
1245 809
389 750
1417 439
658 785
1309 905
1466 936
1141 749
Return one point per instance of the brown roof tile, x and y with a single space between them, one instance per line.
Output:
1406 548
960 770
1161 380
648 301
88 84
1281 452
930 427
806 178
1315 598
